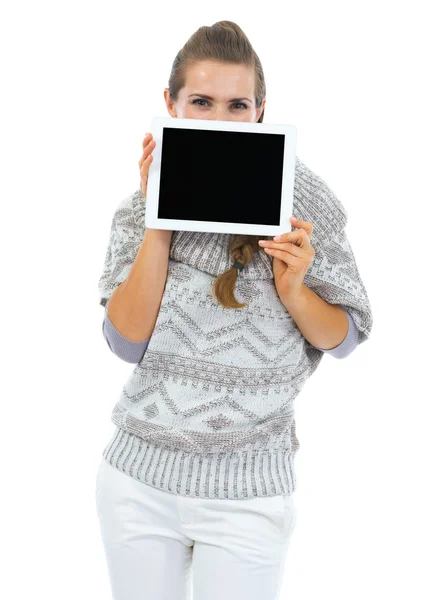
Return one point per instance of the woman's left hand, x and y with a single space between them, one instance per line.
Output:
292 256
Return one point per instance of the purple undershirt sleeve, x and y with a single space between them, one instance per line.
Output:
349 343
131 352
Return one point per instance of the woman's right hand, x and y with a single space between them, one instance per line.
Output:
148 145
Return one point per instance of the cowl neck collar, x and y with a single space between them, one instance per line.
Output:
313 201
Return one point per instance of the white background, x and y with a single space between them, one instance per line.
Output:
81 81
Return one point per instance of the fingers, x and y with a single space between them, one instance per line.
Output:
291 236
305 225
148 137
148 145
145 161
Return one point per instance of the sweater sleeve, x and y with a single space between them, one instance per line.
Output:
349 343
334 276
124 242
131 352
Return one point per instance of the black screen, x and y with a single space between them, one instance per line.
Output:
224 176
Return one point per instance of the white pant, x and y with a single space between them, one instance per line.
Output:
162 546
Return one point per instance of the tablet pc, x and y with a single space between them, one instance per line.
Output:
221 176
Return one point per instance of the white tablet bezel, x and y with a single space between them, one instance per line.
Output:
156 128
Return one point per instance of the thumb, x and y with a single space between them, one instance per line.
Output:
308 227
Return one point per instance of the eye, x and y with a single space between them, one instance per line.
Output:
199 100
235 103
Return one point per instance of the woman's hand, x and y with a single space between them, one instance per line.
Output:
292 256
148 145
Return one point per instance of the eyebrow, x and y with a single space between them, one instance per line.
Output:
211 98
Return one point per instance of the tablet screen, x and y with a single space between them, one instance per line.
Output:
223 176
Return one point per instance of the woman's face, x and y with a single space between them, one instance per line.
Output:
230 91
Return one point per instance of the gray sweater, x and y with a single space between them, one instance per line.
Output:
132 352
209 409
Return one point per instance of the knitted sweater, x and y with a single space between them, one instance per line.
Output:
209 409
132 352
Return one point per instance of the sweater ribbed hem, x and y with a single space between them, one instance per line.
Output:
238 475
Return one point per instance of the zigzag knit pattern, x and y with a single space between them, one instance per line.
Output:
209 410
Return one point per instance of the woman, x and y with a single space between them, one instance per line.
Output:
198 477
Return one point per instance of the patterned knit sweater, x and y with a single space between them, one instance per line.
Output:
133 352
209 410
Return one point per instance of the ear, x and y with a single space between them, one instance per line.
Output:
260 110
169 104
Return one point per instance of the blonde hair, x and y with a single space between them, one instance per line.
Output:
226 42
